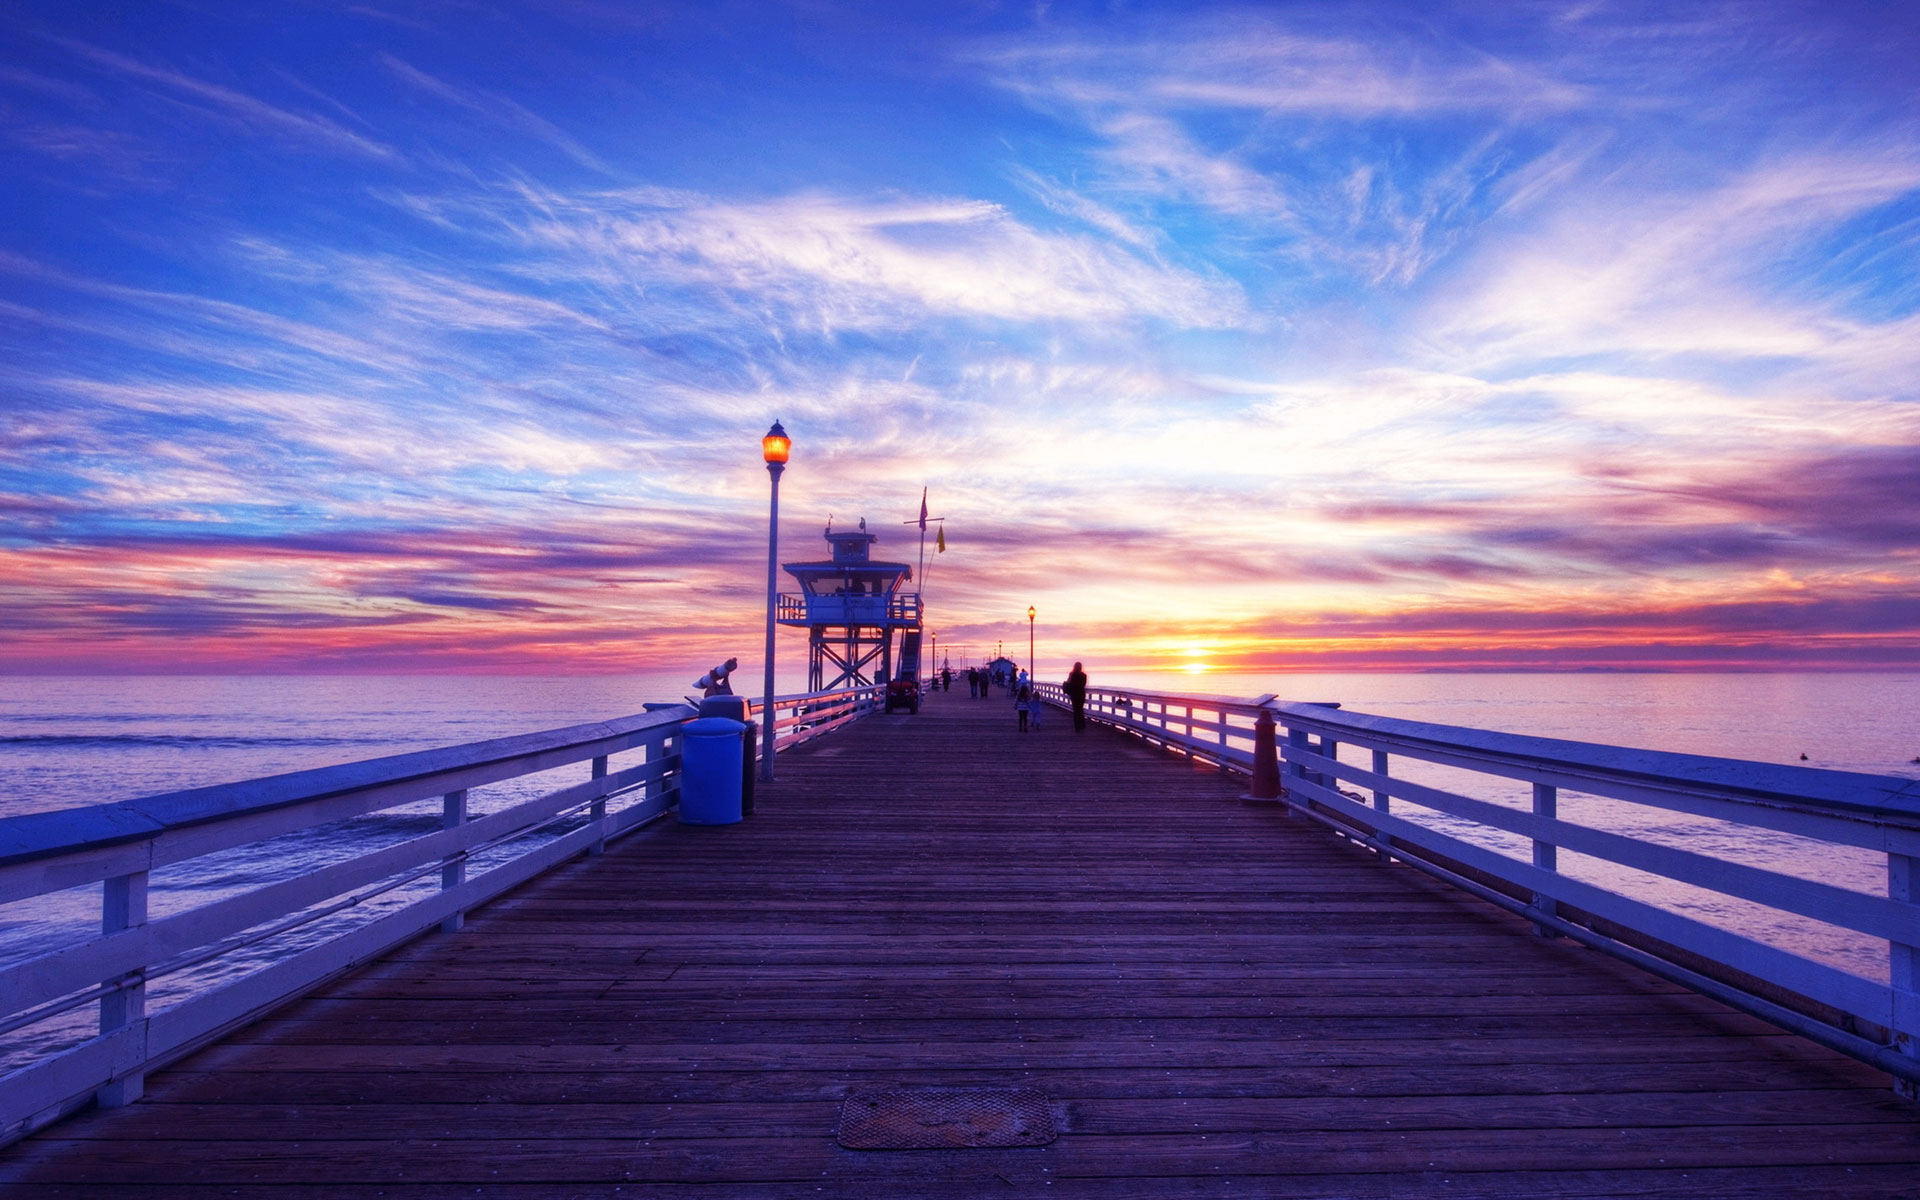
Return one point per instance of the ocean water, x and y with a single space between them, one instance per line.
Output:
71 741
1856 721
66 742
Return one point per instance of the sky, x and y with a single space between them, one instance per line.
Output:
439 337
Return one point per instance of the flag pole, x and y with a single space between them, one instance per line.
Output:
940 547
920 579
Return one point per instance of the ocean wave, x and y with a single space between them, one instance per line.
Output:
101 718
193 741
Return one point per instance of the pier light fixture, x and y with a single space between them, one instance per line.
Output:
774 447
1032 676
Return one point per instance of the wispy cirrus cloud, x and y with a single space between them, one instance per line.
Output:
231 105
1265 63
829 262
1164 158
1686 272
495 108
1069 202
1278 122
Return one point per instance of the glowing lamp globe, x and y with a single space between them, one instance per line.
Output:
776 445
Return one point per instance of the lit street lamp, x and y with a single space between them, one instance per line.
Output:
774 448
1032 675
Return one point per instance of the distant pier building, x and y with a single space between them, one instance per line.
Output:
852 606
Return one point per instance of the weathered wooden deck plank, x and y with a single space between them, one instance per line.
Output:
1088 1114
806 1151
1218 998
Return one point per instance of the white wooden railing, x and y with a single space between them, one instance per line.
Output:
632 778
1510 804
808 715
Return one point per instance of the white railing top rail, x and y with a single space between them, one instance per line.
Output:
1238 704
1876 799
799 699
1849 795
381 782
385 782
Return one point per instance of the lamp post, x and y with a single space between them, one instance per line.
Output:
774 448
1032 675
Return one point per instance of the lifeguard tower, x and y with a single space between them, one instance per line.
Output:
851 606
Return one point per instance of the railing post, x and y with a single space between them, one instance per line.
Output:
670 748
1382 804
597 812
1296 740
1546 854
453 869
1222 714
123 906
651 753
1903 975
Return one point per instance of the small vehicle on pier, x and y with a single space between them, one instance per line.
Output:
903 691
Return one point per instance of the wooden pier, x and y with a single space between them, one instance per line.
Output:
1217 998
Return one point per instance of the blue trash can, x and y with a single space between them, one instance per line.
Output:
710 771
737 708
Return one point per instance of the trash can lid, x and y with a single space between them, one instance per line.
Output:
713 727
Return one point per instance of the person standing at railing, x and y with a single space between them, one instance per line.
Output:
1076 689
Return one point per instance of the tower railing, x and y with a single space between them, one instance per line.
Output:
852 608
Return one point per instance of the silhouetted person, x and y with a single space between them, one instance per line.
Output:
1076 690
1020 705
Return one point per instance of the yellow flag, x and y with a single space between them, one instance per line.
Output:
941 541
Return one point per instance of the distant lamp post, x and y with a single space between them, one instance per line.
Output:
774 448
1032 675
